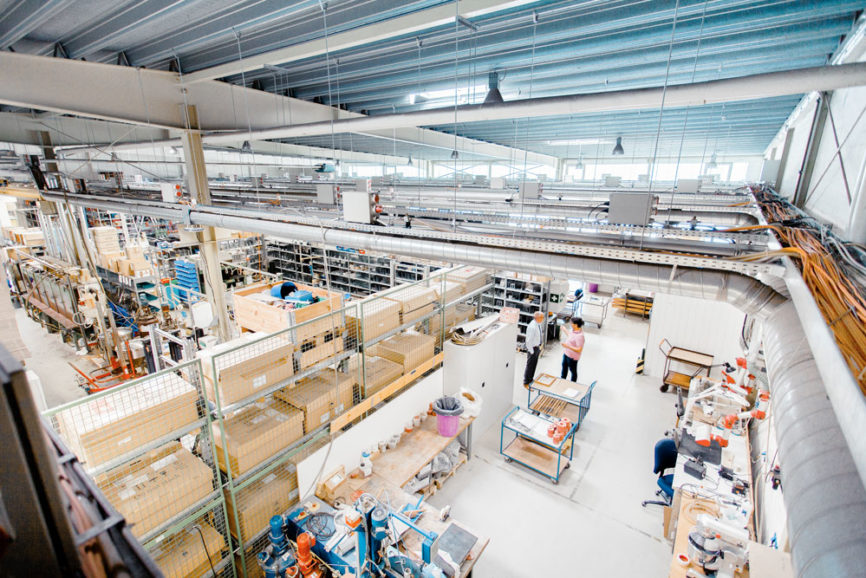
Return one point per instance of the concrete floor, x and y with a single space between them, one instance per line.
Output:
591 523
49 358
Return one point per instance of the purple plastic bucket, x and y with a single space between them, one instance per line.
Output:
592 287
447 425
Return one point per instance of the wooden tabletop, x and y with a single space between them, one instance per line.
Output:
689 509
689 356
415 450
429 521
546 383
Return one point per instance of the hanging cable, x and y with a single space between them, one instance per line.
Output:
653 168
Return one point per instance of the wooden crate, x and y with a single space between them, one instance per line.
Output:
254 315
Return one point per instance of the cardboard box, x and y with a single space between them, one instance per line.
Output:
379 317
408 349
157 486
242 373
108 259
258 502
415 301
322 396
379 373
472 278
255 433
111 426
454 315
318 349
451 292
183 556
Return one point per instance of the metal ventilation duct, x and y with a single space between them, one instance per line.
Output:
823 492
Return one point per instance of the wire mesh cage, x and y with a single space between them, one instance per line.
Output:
271 491
196 546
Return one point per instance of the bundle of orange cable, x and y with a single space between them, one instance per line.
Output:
841 302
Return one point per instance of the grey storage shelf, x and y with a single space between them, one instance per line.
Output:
521 293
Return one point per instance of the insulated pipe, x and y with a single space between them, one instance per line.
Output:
766 85
823 493
745 293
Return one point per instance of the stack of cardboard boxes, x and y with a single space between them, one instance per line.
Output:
186 553
321 396
157 486
256 433
406 349
268 496
245 366
123 420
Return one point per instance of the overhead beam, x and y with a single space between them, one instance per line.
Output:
376 32
154 99
114 25
756 86
23 16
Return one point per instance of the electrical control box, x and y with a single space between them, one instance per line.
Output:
171 193
497 183
530 191
363 185
326 194
688 185
631 208
359 207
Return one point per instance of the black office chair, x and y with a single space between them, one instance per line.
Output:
665 458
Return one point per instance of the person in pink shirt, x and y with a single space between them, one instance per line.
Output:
572 348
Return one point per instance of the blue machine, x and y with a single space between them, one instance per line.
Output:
277 557
367 550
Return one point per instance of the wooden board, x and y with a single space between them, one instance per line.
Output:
546 383
535 456
556 408
689 356
359 409
415 450
678 379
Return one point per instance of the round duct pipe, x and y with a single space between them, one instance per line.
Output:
823 492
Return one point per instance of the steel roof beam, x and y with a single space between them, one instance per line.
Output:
23 16
113 26
406 24
153 98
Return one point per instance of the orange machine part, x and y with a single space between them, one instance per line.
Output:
306 562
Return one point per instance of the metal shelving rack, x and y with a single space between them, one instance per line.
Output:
350 270
524 292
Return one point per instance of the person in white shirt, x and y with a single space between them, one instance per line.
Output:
533 347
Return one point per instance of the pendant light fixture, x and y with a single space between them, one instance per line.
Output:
493 94
617 149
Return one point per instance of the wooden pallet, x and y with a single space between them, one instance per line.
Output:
437 483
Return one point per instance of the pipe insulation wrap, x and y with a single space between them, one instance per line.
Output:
823 493
747 294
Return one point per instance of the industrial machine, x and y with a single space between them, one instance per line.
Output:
364 539
717 546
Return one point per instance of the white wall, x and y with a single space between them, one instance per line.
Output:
707 326
827 199
346 448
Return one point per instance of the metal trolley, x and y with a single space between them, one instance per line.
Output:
530 445
554 397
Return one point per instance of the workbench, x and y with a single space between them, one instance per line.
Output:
380 487
688 491
417 449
